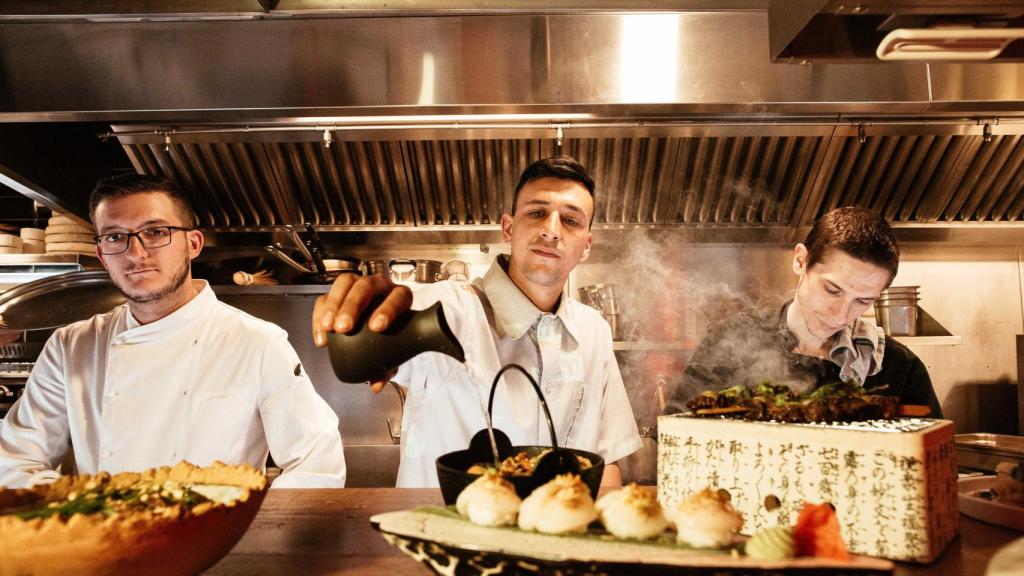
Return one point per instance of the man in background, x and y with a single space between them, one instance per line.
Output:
818 337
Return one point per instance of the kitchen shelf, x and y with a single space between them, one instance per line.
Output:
273 289
930 332
654 345
929 340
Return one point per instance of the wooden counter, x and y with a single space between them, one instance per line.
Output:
328 531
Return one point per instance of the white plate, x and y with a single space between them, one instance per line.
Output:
991 511
1007 560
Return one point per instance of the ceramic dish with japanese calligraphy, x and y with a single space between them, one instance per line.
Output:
976 502
447 543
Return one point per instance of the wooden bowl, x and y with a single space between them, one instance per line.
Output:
176 540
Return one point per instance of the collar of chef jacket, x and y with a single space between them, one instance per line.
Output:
193 311
514 313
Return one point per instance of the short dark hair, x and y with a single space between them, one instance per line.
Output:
859 232
561 167
128 184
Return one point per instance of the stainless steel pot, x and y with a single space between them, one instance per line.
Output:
415 270
405 269
427 271
402 269
371 267
896 310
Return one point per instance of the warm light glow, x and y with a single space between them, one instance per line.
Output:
440 118
648 57
426 97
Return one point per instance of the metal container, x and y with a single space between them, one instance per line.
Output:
410 270
372 267
984 451
602 297
406 269
455 270
402 269
427 271
896 310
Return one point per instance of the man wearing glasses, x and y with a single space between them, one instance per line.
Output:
171 375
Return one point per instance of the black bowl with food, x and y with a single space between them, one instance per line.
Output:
526 467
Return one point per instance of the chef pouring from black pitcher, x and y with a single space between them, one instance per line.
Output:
516 313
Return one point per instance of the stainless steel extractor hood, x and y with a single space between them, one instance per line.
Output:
658 175
415 120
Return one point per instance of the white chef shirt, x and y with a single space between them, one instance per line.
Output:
569 353
207 382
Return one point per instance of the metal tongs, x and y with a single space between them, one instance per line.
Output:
312 251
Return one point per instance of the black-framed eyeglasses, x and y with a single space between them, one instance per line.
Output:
155 237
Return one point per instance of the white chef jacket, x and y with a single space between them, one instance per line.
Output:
207 382
569 353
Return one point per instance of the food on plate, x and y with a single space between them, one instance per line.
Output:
817 533
562 506
772 543
836 402
632 512
1006 487
706 519
522 464
490 500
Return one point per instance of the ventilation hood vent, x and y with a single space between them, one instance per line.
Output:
703 176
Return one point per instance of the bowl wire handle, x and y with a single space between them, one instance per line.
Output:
536 388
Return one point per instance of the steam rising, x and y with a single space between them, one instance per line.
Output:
670 291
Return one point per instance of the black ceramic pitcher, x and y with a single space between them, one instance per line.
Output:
364 355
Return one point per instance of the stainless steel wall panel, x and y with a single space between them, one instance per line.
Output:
243 70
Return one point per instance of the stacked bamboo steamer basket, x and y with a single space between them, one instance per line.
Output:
33 240
65 236
10 243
